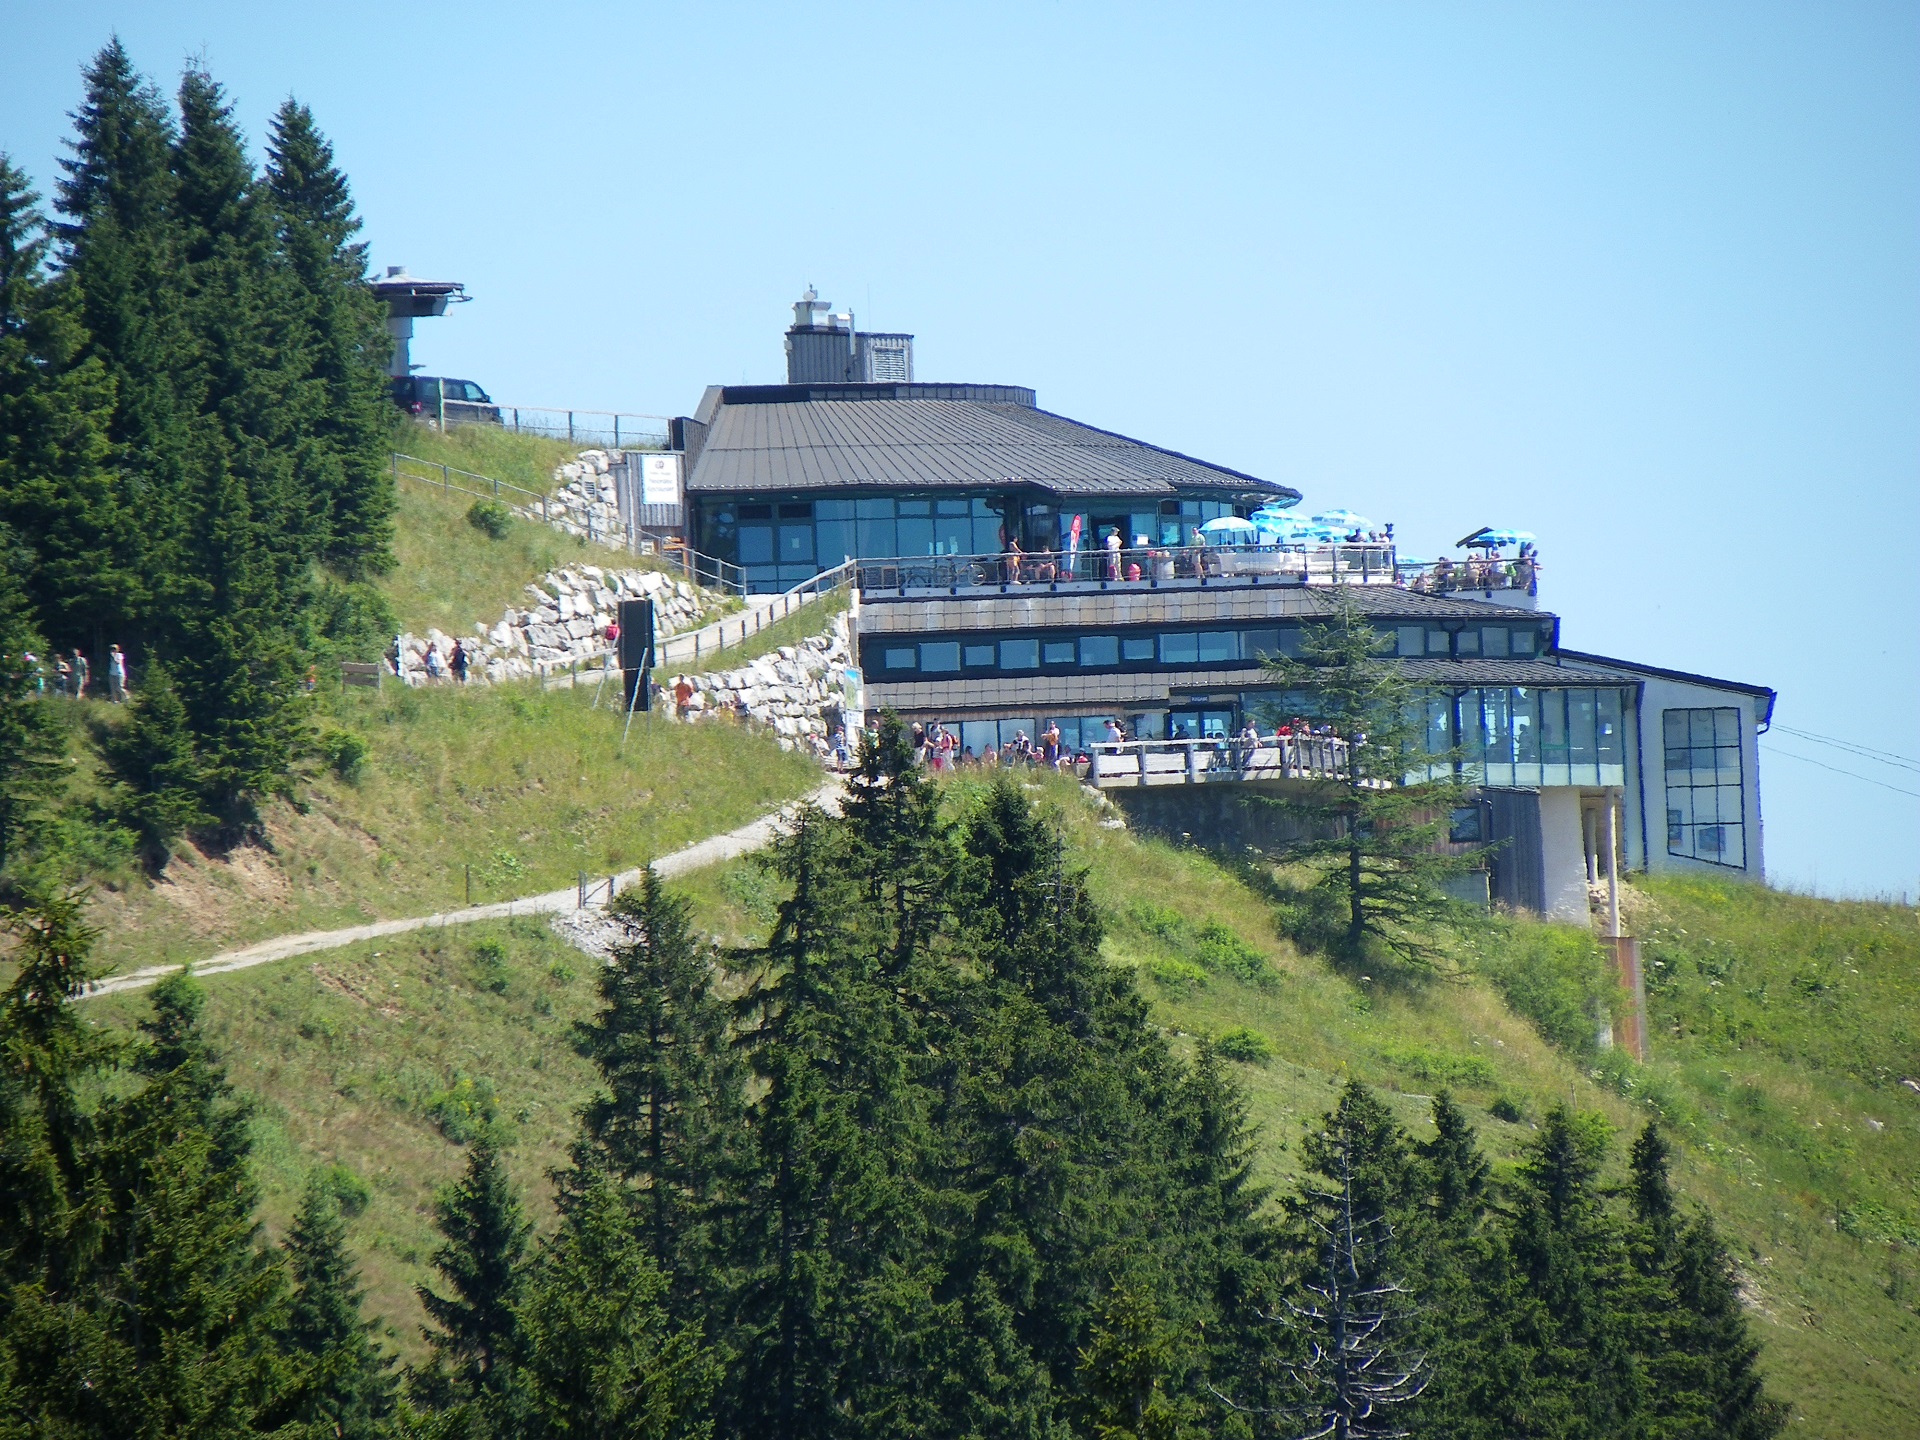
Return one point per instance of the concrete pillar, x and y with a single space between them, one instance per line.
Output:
1563 860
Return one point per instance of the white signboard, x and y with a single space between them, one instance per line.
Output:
660 480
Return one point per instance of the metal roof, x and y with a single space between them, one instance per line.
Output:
1634 667
780 438
1395 602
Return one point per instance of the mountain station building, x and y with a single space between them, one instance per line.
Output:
1013 568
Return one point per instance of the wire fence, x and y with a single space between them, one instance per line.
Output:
613 429
451 480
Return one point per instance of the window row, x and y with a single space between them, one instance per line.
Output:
1476 642
1084 652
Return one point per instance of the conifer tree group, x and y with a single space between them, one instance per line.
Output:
192 431
919 1165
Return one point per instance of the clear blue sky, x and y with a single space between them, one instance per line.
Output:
1640 278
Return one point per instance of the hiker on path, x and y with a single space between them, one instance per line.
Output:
436 667
116 674
82 674
460 662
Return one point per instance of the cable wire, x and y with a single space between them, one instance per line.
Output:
1865 752
1808 759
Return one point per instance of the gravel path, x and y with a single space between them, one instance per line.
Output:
711 851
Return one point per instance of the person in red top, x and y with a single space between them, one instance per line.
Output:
682 697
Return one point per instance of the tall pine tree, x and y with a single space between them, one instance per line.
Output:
57 489
342 1385
673 1091
343 386
476 1330
121 252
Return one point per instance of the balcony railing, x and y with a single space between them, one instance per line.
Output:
1152 565
1201 762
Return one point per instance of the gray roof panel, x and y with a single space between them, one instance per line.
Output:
935 443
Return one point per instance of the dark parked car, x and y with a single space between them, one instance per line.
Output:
428 397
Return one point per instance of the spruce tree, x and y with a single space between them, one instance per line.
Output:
33 759
344 384
342 1385
255 533
49 1137
1373 834
173 1328
56 401
601 1356
1701 1356
475 1329
827 1204
673 1086
120 251
1576 1309
152 758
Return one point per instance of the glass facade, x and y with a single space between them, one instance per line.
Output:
1524 736
1706 793
780 542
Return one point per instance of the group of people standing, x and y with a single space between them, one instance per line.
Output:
71 675
938 748
440 667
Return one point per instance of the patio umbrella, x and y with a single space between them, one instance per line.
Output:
1488 538
1227 527
1343 521
1282 526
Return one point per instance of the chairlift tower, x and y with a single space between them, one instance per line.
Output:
409 298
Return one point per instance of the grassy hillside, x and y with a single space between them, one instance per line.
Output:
360 1058
518 788
451 574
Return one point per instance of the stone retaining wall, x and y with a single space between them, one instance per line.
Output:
795 690
566 621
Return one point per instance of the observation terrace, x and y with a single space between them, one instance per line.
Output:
1514 582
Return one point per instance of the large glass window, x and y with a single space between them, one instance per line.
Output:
1706 809
835 530
874 528
1493 640
756 544
1057 652
899 657
978 657
1218 645
1137 647
941 657
1181 647
1410 640
1019 654
1099 650
915 527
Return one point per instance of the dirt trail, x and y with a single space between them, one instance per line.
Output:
711 851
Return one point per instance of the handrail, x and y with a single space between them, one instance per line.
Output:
653 427
445 480
1273 757
827 581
